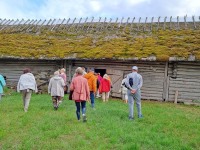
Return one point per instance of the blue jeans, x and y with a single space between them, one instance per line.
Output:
78 108
92 98
137 98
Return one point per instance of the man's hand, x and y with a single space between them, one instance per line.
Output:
133 91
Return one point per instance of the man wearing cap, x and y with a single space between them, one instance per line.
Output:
134 83
92 82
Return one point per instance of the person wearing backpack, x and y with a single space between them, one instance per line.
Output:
134 83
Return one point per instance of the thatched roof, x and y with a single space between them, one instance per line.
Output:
163 45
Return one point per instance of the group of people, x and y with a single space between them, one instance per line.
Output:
84 86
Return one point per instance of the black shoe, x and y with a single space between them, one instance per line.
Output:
55 108
130 118
141 116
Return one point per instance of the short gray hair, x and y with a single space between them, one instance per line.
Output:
56 73
79 70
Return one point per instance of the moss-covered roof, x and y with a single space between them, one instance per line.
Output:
162 44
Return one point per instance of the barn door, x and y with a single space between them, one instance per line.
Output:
116 79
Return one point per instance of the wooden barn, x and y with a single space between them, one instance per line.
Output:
168 58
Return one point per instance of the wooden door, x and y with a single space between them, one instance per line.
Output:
116 79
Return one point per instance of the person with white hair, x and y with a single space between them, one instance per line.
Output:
81 93
123 90
26 85
63 75
134 83
105 87
56 89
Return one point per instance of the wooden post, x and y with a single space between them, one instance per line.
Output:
115 24
138 24
170 24
126 23
2 22
59 25
108 23
25 25
30 25
132 23
40 26
176 97
165 84
178 23
145 24
120 22
102 27
152 23
194 22
164 26
158 23
90 24
72 24
185 22
65 26
78 26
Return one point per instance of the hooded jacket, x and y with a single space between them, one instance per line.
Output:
2 83
104 85
56 86
92 81
27 81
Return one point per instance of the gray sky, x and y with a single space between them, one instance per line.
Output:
46 9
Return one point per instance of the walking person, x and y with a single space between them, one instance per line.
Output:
56 89
92 82
64 76
104 88
124 90
99 78
2 84
81 93
26 85
134 83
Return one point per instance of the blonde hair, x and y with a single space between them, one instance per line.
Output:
105 76
62 70
56 73
79 70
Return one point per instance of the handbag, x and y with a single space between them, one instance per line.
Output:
70 95
65 89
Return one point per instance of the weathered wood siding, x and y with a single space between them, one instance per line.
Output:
152 72
161 79
184 77
12 69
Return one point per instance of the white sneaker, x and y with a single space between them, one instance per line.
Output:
84 118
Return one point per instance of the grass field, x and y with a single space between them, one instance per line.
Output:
165 126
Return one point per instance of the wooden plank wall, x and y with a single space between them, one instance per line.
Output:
152 72
184 77
14 68
161 79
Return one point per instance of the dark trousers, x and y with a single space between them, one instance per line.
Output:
92 98
80 105
56 100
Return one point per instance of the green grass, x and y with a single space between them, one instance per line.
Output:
164 126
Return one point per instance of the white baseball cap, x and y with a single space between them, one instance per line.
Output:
134 68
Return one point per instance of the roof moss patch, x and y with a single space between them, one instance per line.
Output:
162 44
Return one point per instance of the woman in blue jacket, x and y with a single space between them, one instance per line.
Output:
2 84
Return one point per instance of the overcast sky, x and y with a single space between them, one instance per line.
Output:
46 9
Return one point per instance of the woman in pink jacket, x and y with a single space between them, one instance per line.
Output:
81 93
